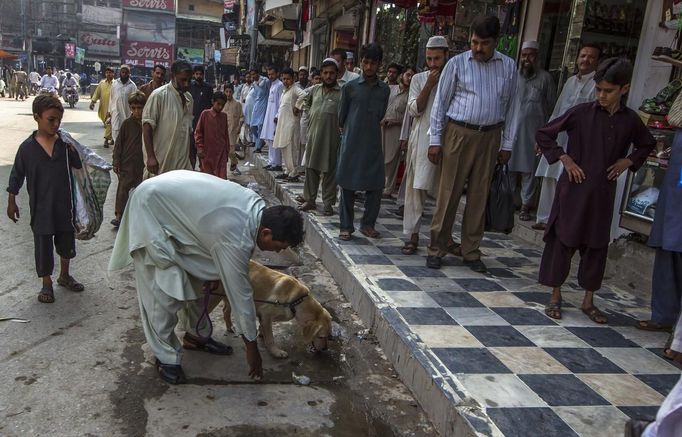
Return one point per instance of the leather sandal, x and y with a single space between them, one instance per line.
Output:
46 295
70 283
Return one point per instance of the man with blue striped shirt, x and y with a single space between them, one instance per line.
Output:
469 132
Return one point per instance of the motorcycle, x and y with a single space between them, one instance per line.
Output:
51 91
71 96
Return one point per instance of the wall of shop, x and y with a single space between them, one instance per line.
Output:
531 24
206 8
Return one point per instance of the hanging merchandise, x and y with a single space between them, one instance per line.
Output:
509 39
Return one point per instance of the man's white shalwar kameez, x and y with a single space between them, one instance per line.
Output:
269 125
118 104
575 91
177 236
288 134
420 173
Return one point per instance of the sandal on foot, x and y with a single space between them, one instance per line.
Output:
594 314
650 325
70 283
46 295
345 235
370 232
524 215
409 248
553 310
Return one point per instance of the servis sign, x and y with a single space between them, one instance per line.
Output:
137 52
151 5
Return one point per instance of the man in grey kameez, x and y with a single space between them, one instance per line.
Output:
361 158
181 240
321 103
533 102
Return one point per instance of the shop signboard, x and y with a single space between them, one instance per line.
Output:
80 55
101 16
99 43
69 50
149 27
193 56
144 53
150 5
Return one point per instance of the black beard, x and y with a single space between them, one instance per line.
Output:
528 71
125 80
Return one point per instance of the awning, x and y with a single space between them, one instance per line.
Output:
7 55
262 41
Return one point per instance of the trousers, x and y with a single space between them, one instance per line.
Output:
312 183
547 190
666 287
527 187
414 200
274 155
347 211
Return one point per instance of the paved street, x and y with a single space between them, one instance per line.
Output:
79 367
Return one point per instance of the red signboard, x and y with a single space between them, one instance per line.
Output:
146 53
151 5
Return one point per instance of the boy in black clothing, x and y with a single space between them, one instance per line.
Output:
42 160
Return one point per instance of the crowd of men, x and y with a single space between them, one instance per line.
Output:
16 83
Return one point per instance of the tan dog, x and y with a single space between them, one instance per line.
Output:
273 292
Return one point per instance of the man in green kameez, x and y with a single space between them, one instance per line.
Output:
322 102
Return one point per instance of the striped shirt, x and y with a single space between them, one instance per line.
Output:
475 92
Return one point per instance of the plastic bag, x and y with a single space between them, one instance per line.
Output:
499 213
89 186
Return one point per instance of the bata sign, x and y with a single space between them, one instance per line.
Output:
143 53
97 43
152 5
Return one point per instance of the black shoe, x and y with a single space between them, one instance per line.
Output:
293 179
257 151
476 265
434 262
210 345
282 176
115 223
276 168
171 373
267 167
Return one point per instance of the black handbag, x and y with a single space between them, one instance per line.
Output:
499 212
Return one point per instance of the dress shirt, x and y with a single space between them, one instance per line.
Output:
475 92
49 82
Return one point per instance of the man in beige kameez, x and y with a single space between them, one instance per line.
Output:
167 124
390 129
101 94
288 132
235 118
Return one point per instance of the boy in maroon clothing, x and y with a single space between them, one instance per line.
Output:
127 156
212 138
599 137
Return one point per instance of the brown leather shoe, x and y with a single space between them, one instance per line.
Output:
307 206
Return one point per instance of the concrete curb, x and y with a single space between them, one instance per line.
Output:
440 394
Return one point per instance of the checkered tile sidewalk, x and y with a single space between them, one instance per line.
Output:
533 375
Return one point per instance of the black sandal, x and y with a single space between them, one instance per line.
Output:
553 308
409 248
46 295
593 313
70 283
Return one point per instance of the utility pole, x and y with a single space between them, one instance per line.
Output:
254 36
26 47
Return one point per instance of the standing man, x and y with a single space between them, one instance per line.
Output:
344 76
391 127
167 124
321 103
287 137
261 91
102 93
361 164
158 80
270 119
302 77
20 80
533 101
219 224
393 73
247 101
119 109
202 96
578 89
235 118
350 63
420 173
470 119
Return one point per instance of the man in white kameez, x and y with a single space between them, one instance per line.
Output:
180 240
270 121
535 96
287 137
420 173
119 109
167 124
578 89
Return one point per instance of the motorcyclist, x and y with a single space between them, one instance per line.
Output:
70 83
48 82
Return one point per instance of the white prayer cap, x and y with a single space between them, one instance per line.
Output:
302 67
349 55
530 45
330 60
437 42
126 66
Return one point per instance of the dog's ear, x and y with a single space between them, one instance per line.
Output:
310 329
